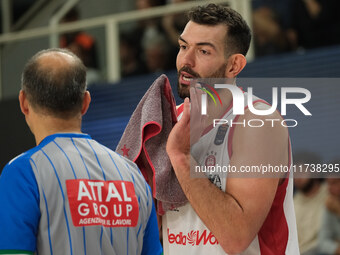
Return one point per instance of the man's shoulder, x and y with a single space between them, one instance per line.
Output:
265 123
263 106
131 165
19 173
22 159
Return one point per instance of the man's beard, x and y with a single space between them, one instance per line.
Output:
184 91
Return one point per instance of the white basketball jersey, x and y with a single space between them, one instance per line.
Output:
185 233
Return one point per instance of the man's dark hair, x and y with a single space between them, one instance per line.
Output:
238 32
58 91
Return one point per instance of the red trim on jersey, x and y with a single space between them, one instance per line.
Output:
289 152
180 109
272 241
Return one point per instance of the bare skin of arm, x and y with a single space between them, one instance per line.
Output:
236 215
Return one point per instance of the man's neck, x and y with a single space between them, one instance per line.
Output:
48 126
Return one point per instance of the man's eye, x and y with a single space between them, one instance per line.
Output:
204 52
182 47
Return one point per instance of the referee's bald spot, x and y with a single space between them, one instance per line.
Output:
55 61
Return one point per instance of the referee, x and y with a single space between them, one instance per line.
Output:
70 194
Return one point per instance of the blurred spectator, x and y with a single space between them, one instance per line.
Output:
130 62
81 44
173 25
145 4
157 54
309 197
329 237
271 19
315 23
150 27
154 48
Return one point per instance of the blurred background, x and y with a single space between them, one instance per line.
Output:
127 44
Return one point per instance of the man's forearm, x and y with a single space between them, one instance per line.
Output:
224 217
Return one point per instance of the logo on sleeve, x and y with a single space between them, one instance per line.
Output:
107 203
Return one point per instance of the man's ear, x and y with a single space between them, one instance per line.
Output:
235 65
23 103
86 102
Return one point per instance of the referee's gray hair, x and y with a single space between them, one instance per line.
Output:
58 91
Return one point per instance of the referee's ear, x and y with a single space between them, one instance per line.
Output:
86 102
23 102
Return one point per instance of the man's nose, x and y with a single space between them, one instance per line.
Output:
189 58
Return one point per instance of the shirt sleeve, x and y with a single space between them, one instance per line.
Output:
20 213
327 245
151 242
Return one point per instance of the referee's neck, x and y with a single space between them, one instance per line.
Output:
44 126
